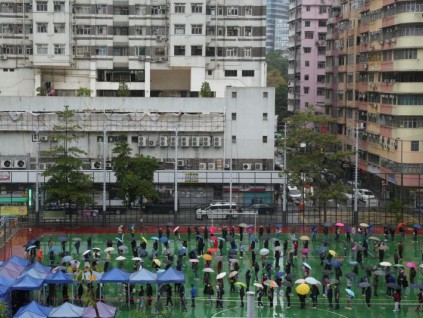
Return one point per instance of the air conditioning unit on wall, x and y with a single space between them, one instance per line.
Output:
163 141
6 164
246 166
19 164
185 141
173 141
152 143
96 165
142 141
195 141
206 141
202 166
258 166
211 166
217 141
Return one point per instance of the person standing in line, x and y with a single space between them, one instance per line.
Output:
220 292
120 231
368 294
329 295
420 300
288 292
397 300
169 302
248 279
193 295
260 294
241 295
314 294
270 295
337 294
189 232
89 242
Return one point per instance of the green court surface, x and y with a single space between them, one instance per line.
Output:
381 306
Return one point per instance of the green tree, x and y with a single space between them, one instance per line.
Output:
4 310
134 175
277 74
206 90
123 90
66 183
314 158
41 91
275 60
83 91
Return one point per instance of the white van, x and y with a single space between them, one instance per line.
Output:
217 210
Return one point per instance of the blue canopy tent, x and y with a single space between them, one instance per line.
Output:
143 276
34 273
105 311
58 278
116 275
27 282
40 267
6 281
67 310
13 266
171 275
33 309
18 260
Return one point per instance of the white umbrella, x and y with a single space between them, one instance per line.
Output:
221 275
208 270
86 252
136 259
232 274
306 265
300 281
175 229
387 264
109 249
120 258
264 251
312 281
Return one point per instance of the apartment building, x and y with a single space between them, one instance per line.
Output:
375 83
160 48
307 54
277 25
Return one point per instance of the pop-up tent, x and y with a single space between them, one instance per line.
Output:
58 278
18 260
67 310
171 275
34 273
116 275
27 282
33 309
143 276
104 310
40 267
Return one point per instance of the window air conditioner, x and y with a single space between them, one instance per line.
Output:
142 141
202 166
185 141
246 166
3 57
41 166
227 166
206 141
217 141
109 165
6 164
258 166
195 141
181 163
19 164
96 165
211 166
163 141
152 143
43 138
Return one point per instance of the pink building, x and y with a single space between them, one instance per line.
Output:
307 54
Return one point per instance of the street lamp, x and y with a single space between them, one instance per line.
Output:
104 170
175 208
402 175
284 211
355 212
36 139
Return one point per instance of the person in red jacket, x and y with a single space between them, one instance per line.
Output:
397 300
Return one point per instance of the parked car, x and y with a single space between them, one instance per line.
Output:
259 208
294 195
367 197
217 210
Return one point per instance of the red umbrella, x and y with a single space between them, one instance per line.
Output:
212 229
212 250
305 251
411 265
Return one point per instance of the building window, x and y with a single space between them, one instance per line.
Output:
59 49
321 78
232 11
265 139
42 27
179 7
230 73
41 6
307 49
140 10
232 31
196 50
321 64
414 145
158 30
306 77
197 8
248 10
320 91
322 23
101 51
83 30
265 116
306 90
140 50
102 29
42 49
234 139
158 10
196 29
247 73
265 94
120 31
247 52
233 94
231 51
308 8
308 34
233 116
179 28
248 31
323 10
59 28
82 50
120 10
307 63
179 50
59 6
307 23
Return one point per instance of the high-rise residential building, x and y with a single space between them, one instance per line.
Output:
374 80
158 48
307 54
277 25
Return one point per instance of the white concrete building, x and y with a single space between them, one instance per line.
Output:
158 47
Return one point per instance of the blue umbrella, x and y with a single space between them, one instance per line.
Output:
417 226
54 249
322 249
350 292
142 253
164 239
155 238
335 263
182 251
119 239
199 236
253 238
67 259
280 274
63 238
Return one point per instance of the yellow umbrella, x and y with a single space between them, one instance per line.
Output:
304 238
157 262
302 289
207 257
144 239
332 252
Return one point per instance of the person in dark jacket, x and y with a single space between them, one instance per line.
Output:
288 292
241 295
329 295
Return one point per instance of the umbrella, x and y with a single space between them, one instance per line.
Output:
109 249
144 239
302 289
233 274
207 257
86 252
327 224
119 239
221 238
393 285
398 265
212 229
121 258
350 292
208 270
364 285
332 252
270 283
157 262
305 251
364 225
241 284
386 264
350 275
175 229
167 252
411 265
244 225
293 238
353 263
143 253
136 259
280 274
253 238
360 248
291 276
333 281
379 272
123 248
300 281
67 259
258 285
200 236
418 286
221 275
212 250
421 266
383 247
304 238
31 247
164 239
340 224
63 238
96 249
182 251
169 224
287 283
417 226
76 239
232 260
194 260
306 265
322 249
264 251
335 263
154 238
374 238
232 252
54 249
312 281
